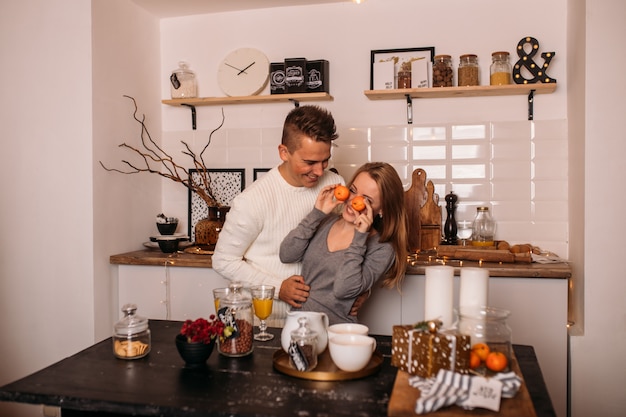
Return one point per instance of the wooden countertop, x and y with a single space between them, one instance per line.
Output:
157 258
533 270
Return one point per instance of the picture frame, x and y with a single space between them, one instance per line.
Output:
402 55
258 173
226 185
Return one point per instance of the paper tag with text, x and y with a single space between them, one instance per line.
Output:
484 393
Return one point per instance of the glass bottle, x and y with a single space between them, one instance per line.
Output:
404 79
131 336
487 325
183 82
468 70
483 228
500 69
443 75
303 347
236 313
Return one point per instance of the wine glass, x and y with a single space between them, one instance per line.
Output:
262 300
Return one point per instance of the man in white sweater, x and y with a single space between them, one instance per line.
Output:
267 210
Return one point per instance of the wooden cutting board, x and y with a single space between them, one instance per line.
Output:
484 254
404 397
424 213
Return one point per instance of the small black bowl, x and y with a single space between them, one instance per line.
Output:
168 245
167 228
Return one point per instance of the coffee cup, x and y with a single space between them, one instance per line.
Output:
351 352
347 328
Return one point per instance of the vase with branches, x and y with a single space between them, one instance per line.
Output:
154 159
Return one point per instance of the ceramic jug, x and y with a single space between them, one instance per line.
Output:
318 322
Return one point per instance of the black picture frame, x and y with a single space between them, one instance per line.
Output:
403 55
258 173
226 184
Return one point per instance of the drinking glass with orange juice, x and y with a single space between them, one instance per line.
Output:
218 294
262 301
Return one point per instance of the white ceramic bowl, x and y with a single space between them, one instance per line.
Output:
347 328
351 352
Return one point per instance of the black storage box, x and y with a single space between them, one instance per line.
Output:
317 76
277 78
295 75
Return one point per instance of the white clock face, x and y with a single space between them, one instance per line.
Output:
244 72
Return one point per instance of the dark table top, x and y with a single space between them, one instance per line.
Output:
93 380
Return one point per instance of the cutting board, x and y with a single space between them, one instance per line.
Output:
485 254
404 396
424 213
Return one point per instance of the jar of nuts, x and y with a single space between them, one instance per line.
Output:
236 313
131 337
442 71
468 70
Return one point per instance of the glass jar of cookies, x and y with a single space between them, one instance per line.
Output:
131 335
443 75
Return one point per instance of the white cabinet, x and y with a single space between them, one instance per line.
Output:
168 293
538 317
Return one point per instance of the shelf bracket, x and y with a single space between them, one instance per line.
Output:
409 109
295 102
193 114
531 99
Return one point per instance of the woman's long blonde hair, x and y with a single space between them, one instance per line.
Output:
392 226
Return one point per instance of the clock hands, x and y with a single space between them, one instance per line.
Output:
241 71
244 70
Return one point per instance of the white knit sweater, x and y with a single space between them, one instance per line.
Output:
258 220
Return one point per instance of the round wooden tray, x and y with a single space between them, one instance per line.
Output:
326 370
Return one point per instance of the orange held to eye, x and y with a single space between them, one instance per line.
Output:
342 192
358 203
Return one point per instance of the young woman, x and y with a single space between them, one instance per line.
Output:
344 255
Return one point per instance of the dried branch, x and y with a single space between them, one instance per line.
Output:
157 161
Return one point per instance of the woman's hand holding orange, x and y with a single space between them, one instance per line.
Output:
364 218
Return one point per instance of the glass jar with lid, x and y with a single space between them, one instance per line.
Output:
468 70
303 347
131 335
443 75
483 228
236 313
183 82
500 70
488 326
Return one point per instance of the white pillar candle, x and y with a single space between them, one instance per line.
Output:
439 294
474 287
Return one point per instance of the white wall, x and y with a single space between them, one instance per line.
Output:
598 372
60 226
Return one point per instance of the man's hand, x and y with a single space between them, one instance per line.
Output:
294 291
358 303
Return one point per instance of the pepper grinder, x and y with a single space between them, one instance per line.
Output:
449 229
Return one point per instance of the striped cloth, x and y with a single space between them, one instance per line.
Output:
448 388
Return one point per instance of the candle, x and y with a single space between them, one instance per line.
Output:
439 294
474 287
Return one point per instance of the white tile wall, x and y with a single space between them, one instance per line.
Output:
519 169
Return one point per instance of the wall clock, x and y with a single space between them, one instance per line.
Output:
244 72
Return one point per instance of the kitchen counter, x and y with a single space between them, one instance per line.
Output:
533 270
94 382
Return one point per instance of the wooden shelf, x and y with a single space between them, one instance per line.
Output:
273 98
447 92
